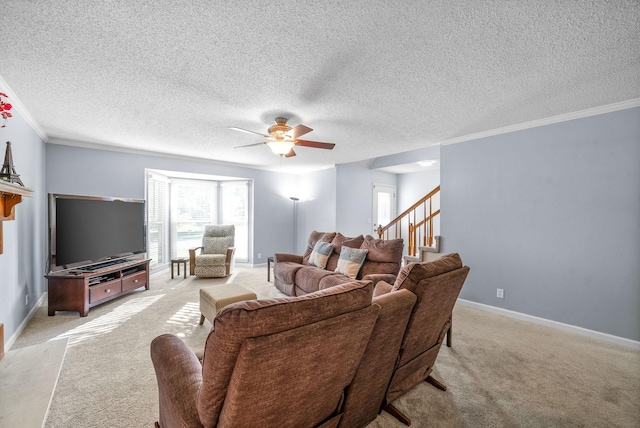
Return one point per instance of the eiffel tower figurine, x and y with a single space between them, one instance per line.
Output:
8 172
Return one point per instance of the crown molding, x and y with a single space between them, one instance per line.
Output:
623 105
20 108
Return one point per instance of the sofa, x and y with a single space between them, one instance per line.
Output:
283 362
343 259
332 359
415 315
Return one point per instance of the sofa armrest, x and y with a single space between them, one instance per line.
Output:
192 259
179 376
382 288
285 257
377 277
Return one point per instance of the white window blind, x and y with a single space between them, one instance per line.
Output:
157 218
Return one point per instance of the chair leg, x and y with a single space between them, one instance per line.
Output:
393 411
157 425
450 332
435 383
201 319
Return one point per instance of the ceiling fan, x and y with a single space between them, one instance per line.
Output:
281 138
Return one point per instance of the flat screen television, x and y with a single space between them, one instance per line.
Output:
89 232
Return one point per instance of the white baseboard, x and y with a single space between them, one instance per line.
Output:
24 322
554 324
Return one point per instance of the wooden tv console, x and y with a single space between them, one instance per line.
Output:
79 290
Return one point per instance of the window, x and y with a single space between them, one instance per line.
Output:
193 205
179 208
157 218
235 210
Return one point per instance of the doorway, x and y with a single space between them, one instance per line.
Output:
384 207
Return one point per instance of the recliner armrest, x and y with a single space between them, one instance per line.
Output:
377 277
229 261
382 288
179 376
285 257
192 259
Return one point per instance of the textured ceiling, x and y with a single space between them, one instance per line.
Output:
374 77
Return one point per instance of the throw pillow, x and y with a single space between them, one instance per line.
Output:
350 261
320 254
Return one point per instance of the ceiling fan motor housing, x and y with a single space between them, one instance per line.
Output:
279 130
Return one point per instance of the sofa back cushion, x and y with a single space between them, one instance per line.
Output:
413 273
383 256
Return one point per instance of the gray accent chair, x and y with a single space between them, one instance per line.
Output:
216 253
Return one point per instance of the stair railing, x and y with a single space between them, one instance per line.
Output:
419 228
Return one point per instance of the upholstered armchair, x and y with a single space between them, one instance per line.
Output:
270 363
216 253
436 285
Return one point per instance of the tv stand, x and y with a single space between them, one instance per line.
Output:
79 290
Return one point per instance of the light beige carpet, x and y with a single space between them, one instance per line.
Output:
500 372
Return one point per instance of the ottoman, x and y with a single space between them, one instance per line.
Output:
213 299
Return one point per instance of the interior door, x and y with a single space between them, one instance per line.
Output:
384 207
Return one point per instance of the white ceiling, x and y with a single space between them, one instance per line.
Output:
374 77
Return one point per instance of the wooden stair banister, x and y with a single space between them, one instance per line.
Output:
414 226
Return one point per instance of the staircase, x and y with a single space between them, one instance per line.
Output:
415 225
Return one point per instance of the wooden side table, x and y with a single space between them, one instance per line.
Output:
180 261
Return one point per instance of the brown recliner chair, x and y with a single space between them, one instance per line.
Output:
365 394
436 285
269 363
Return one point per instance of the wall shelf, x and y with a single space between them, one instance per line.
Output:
10 195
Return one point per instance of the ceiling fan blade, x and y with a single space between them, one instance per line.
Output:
315 144
235 128
298 131
251 145
290 154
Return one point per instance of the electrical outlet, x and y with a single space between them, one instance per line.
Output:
500 293
259 256
26 299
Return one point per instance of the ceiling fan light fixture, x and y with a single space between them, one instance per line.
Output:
280 147
426 163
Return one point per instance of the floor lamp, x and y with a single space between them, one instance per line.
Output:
295 223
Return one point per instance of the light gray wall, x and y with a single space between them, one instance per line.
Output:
354 201
84 171
23 262
552 216
414 186
317 205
